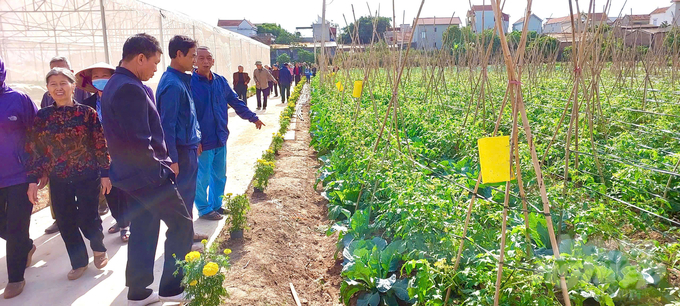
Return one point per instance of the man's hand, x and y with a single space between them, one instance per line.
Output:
43 182
106 185
175 168
200 149
33 193
259 124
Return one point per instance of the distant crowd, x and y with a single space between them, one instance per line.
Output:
103 140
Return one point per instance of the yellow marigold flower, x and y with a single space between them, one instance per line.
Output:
192 256
210 269
227 251
204 241
193 283
230 194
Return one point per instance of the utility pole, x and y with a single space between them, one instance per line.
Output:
324 32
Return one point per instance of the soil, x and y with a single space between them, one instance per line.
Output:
286 243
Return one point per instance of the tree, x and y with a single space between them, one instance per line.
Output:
515 36
489 37
282 35
306 56
283 58
365 30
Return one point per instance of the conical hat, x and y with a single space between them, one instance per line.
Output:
84 77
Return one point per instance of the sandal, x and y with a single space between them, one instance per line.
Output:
114 229
125 234
101 260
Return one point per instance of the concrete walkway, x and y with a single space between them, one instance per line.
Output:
46 282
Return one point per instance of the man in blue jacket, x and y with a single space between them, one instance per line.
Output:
212 94
16 119
285 78
140 166
178 116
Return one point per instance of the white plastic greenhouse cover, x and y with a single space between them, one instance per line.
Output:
34 31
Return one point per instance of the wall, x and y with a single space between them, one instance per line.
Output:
489 21
555 27
433 35
28 41
667 16
534 25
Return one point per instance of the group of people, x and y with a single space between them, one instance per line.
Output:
271 80
101 135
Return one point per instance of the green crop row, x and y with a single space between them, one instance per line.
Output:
399 195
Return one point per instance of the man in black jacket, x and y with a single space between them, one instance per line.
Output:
140 167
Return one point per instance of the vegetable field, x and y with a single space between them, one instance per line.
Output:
415 226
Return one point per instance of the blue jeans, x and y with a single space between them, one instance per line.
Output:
212 178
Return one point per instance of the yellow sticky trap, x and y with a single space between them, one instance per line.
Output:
339 86
494 157
357 88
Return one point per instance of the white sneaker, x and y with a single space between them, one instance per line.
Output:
153 298
180 298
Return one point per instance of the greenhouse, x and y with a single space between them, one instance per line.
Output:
91 31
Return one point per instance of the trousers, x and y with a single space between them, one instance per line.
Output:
148 206
15 218
76 206
211 180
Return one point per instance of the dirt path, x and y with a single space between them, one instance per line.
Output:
286 242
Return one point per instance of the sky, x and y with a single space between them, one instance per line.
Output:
302 13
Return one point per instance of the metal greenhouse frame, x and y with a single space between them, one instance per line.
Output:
90 31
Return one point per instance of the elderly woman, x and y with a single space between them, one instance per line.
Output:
93 79
67 146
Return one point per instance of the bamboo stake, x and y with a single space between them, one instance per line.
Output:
534 156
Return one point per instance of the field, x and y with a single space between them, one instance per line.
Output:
400 174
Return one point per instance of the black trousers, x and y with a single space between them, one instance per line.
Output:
118 203
15 217
285 92
264 93
274 87
76 204
242 92
297 78
148 206
188 173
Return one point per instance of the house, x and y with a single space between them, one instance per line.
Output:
481 16
634 20
647 35
429 31
563 24
243 27
399 35
535 24
668 15
319 30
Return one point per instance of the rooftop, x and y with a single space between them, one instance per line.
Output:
439 20
660 10
597 17
233 23
482 8
522 19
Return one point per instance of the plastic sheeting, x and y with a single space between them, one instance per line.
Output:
34 31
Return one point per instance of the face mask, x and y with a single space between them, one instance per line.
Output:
99 84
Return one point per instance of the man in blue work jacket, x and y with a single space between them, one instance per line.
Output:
178 117
140 167
212 94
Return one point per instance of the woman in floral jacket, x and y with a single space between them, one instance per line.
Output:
68 148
